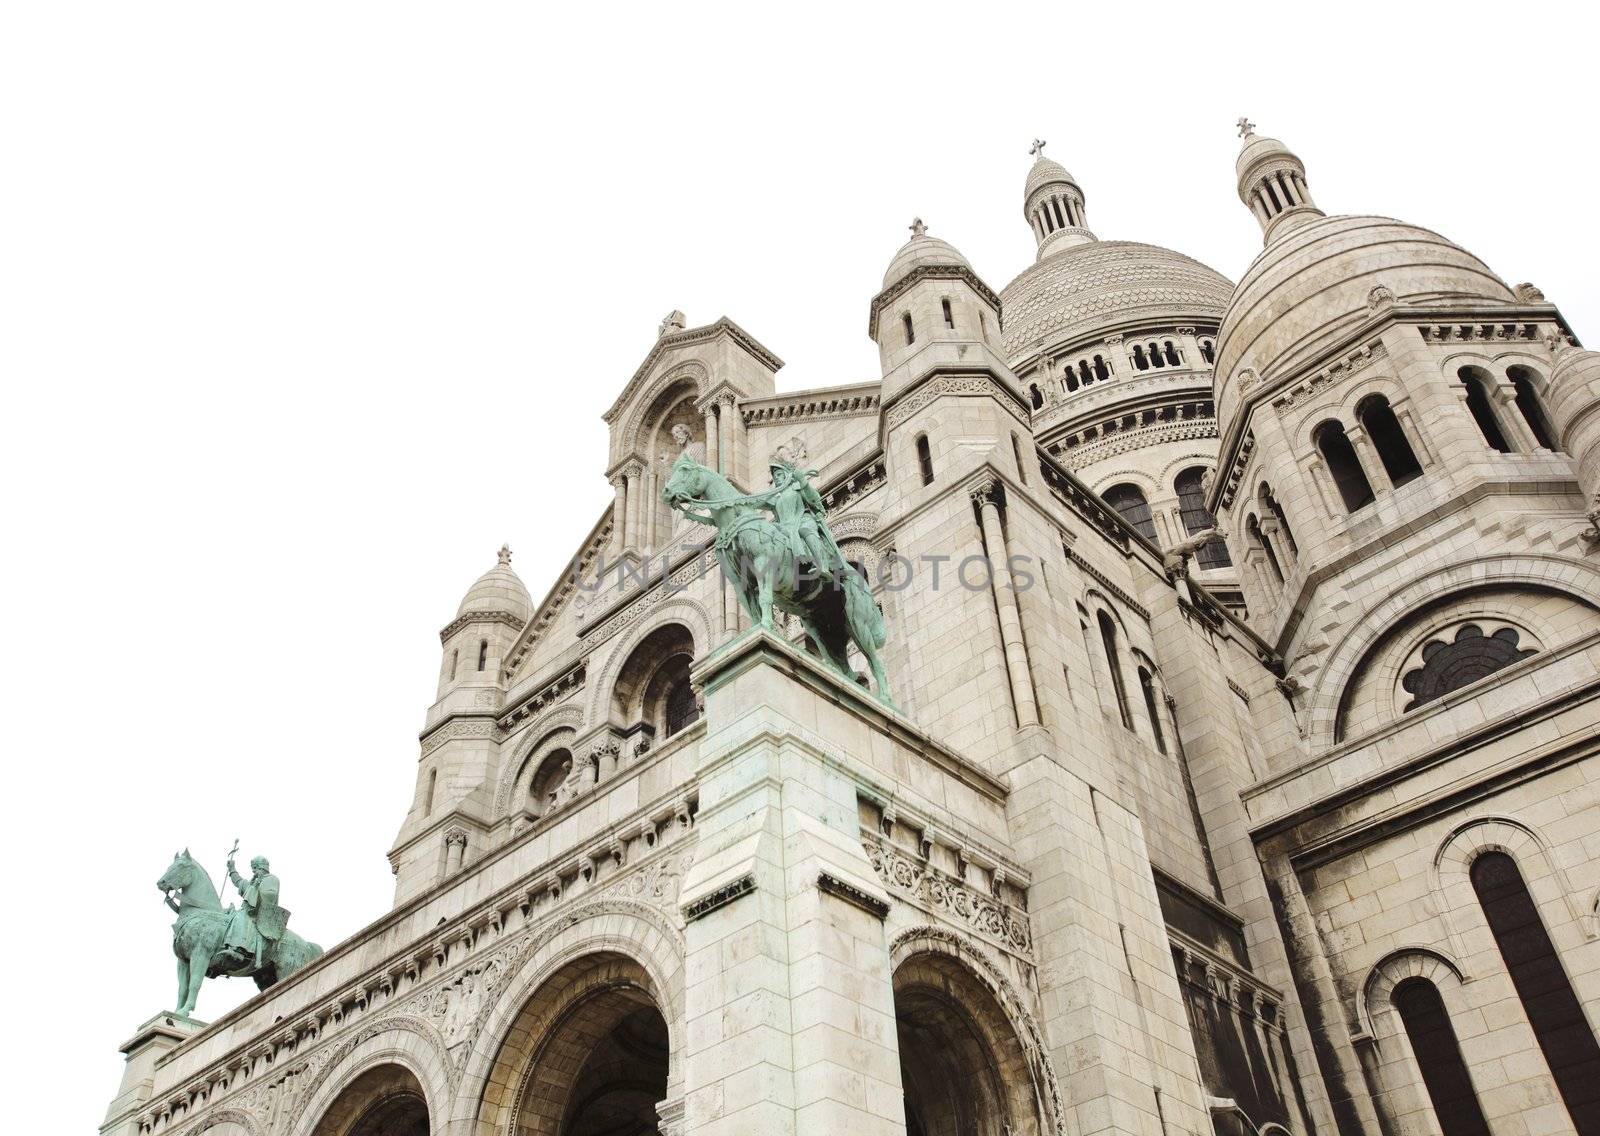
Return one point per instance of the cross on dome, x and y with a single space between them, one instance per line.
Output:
1246 127
917 227
1037 149
505 554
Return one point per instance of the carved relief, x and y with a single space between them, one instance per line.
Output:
949 897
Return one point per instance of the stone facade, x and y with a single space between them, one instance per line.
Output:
1293 833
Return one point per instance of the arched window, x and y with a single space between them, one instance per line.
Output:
1102 369
1444 1073
1069 378
1147 687
1108 640
1016 452
1482 408
483 653
1171 353
1140 363
1547 997
455 660
925 459
1208 352
1340 457
1257 537
1197 518
681 708
1035 395
949 316
433 782
1127 499
552 773
1394 448
1155 355
1088 376
1532 407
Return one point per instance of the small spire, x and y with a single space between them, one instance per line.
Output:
505 554
1037 149
917 227
1246 127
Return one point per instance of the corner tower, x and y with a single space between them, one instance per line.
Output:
1387 416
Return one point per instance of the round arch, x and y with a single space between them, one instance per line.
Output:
1570 578
608 944
680 611
534 738
969 1048
692 375
402 1057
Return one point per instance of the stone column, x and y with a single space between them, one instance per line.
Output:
1511 420
713 443
619 514
631 474
1371 465
455 850
1005 599
153 1041
730 435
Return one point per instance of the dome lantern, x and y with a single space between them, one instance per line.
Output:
1053 205
1272 182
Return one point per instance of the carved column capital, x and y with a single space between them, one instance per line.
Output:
455 836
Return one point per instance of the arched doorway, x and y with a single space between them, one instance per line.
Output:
599 1048
385 1101
962 1068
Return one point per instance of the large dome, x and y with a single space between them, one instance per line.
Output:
1312 283
1103 286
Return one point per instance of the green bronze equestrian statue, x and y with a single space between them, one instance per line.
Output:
790 563
253 941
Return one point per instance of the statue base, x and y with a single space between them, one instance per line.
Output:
152 1041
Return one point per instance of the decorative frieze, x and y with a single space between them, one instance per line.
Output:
1331 376
568 682
933 890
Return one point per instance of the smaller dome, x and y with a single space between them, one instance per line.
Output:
919 251
1043 173
498 589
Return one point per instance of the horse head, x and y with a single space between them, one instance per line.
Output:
687 482
179 874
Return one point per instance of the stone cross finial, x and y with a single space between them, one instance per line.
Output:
505 554
1037 149
1246 127
917 227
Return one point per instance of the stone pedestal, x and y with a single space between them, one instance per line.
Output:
789 1004
153 1040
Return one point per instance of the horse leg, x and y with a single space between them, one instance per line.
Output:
764 568
880 680
183 982
199 961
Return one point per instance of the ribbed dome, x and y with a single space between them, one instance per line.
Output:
1105 285
498 589
1312 284
1044 172
1257 148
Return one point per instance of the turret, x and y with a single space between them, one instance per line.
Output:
1052 203
1272 182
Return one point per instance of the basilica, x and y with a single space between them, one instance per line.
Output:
1231 767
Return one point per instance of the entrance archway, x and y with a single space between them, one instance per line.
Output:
600 1049
385 1101
962 1068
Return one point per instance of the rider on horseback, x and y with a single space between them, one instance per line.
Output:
256 927
797 508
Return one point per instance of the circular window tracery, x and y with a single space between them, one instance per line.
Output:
1450 664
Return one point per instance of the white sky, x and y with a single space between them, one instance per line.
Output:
305 308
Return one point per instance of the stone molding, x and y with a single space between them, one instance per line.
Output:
560 594
541 698
940 382
846 402
510 619
721 897
459 726
927 272
843 889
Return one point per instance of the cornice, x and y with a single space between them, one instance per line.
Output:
688 338
511 619
827 402
928 272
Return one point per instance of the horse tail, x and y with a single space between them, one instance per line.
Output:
862 610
